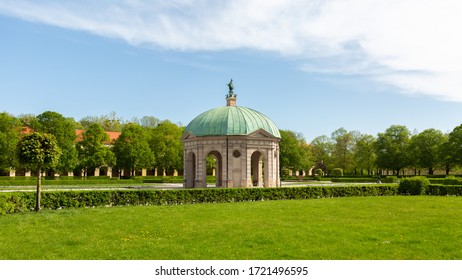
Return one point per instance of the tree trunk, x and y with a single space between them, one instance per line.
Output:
39 190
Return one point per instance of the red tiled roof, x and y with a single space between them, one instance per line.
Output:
113 135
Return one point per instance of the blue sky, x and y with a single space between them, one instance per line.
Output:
312 66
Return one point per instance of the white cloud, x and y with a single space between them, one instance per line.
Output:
413 45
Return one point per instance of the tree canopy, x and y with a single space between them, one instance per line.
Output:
38 152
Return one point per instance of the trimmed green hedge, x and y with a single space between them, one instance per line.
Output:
414 186
387 180
25 201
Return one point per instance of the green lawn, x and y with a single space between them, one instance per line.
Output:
395 227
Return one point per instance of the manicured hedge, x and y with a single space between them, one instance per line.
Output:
25 201
387 180
414 186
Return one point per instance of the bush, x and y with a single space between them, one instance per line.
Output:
337 172
25 201
452 181
390 179
414 186
445 190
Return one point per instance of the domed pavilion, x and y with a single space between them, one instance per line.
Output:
244 142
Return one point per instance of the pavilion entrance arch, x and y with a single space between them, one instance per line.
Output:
218 166
257 169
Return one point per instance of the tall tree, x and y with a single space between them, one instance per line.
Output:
92 150
294 152
426 149
392 148
38 152
109 122
63 129
364 154
10 128
343 149
453 147
166 145
321 148
132 149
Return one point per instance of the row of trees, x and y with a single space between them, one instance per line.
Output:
149 143
396 150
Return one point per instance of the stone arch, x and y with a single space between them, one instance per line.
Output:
258 165
190 170
219 167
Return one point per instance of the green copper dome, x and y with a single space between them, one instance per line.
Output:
231 120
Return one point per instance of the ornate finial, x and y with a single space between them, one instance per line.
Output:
231 97
231 88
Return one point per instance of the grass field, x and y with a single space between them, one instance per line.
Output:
395 227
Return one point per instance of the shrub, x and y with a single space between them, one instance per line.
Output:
445 190
390 179
318 172
414 186
24 201
337 172
452 181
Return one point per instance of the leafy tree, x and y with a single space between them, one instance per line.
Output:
426 149
321 148
149 121
63 129
92 151
392 148
10 128
166 145
132 149
364 155
294 152
343 149
110 122
38 152
445 154
453 148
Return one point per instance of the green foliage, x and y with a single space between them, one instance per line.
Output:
364 154
452 181
9 136
63 129
92 151
295 154
38 151
321 148
444 190
132 150
318 172
343 149
414 186
337 172
392 148
387 180
426 149
166 145
16 202
94 198
110 122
